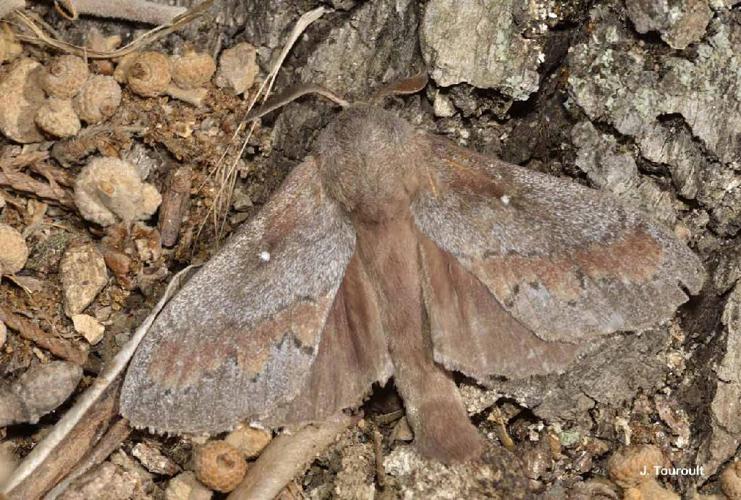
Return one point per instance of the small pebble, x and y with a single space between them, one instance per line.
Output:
88 327
249 441
107 481
537 460
237 68
13 250
185 486
83 273
442 107
153 460
20 97
402 431
41 389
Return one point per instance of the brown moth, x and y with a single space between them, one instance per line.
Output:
391 252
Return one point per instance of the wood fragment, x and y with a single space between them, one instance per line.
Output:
59 347
501 429
116 434
53 174
174 205
378 452
287 456
74 446
194 97
387 418
22 182
22 160
291 492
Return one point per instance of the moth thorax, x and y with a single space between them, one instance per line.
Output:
368 161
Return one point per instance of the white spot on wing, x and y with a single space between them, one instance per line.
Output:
265 256
504 199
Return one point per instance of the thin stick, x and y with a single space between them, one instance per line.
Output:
287 456
301 25
116 434
21 182
39 37
378 453
291 95
42 450
59 347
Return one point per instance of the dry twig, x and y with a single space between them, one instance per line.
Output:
11 177
22 182
174 205
59 347
378 453
116 434
287 456
36 34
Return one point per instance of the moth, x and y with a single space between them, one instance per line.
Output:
392 252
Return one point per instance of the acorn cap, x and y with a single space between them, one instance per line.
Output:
122 68
98 99
219 465
149 74
192 69
64 76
